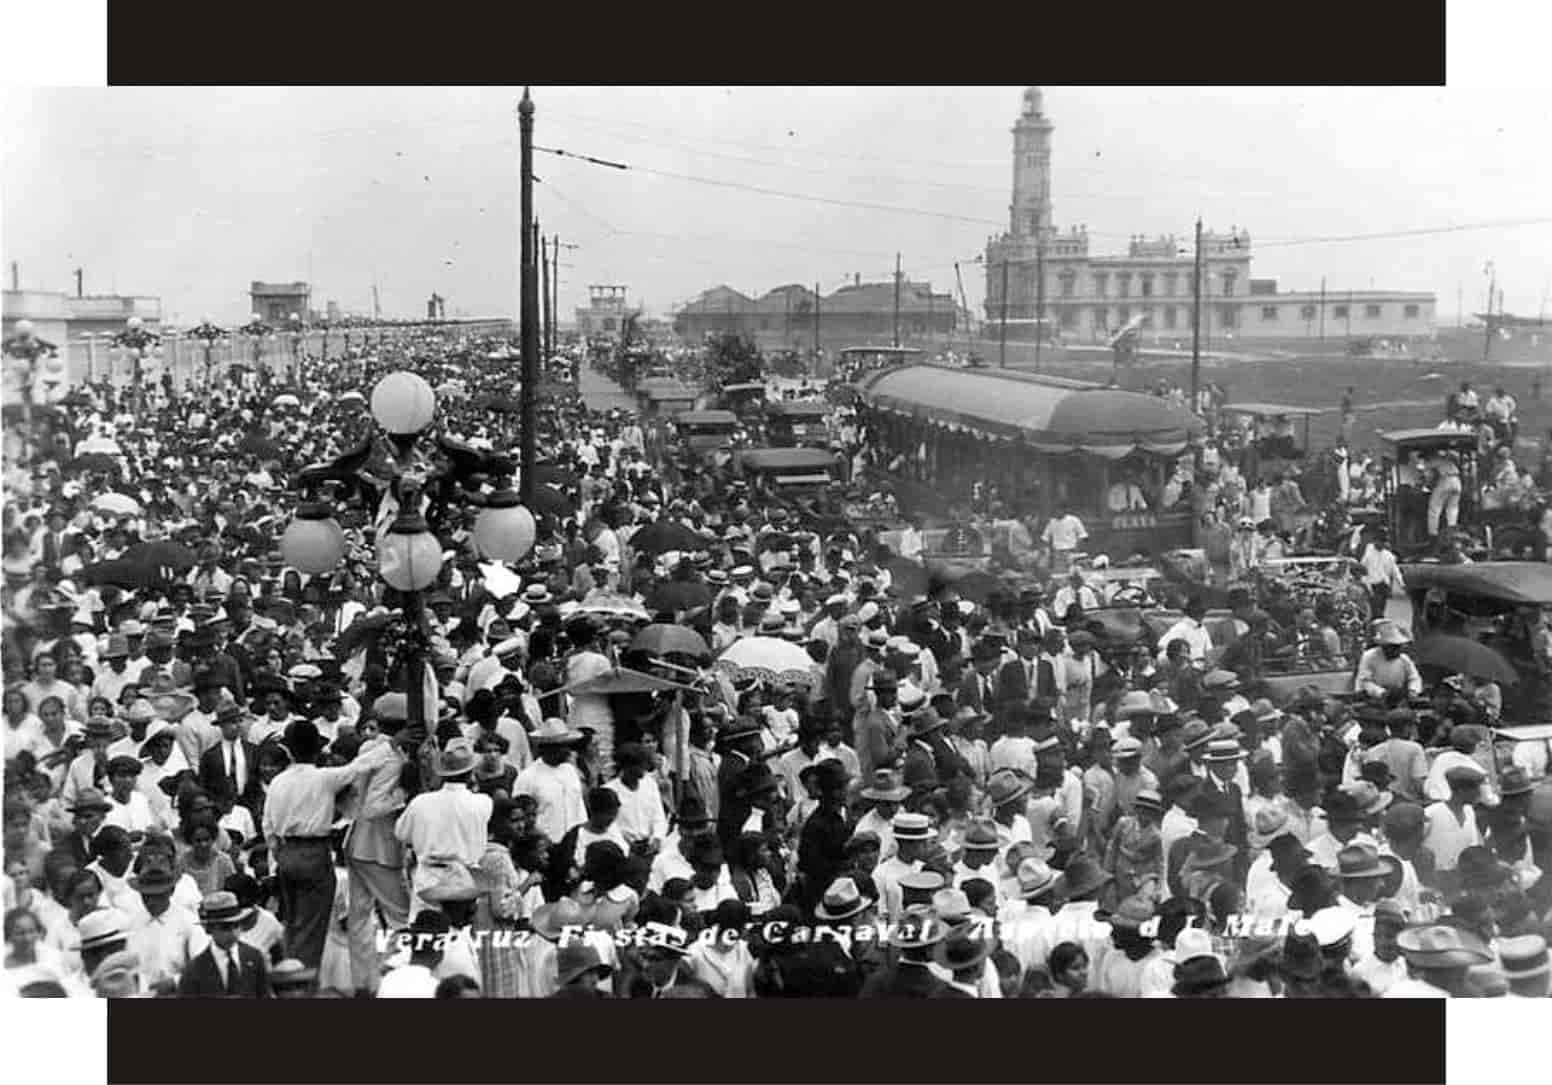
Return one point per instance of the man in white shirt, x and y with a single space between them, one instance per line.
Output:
553 780
1063 534
163 934
446 828
642 818
298 825
1191 630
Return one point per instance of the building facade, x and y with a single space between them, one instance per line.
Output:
606 311
79 326
1038 276
794 316
275 302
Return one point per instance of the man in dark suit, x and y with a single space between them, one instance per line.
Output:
57 544
964 954
828 966
978 689
1211 811
1049 677
1017 679
228 968
232 766
910 976
1223 761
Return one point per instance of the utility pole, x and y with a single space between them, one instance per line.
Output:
1196 318
377 305
1322 308
554 296
1039 296
1492 291
544 292
816 322
528 306
897 301
964 304
1002 344
80 283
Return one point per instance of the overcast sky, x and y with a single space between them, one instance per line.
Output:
190 194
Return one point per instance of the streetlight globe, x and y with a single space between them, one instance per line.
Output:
24 328
53 367
256 318
294 317
409 556
135 323
504 530
314 542
403 403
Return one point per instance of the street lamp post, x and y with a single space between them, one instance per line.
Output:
28 350
409 555
298 329
256 330
208 334
138 344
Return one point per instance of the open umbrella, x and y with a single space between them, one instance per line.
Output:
94 461
256 444
549 500
285 399
665 535
106 446
161 554
351 397
769 659
620 680
555 476
678 597
663 639
498 403
1462 655
116 504
612 605
123 573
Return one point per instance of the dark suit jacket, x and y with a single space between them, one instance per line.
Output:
903 981
212 774
1013 683
820 969
201 979
970 694
948 990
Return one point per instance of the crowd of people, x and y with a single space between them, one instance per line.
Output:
820 781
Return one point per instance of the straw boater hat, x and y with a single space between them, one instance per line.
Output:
1524 956
1035 879
102 928
910 826
221 908
919 928
291 973
1135 703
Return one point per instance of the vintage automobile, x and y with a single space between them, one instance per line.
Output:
706 433
1265 455
1329 585
797 423
1406 461
1500 604
665 397
783 472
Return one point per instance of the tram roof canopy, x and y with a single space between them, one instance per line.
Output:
1052 414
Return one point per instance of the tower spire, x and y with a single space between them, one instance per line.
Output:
1030 213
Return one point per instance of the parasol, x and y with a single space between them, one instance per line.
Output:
769 659
285 399
498 403
94 461
116 504
619 680
1462 655
105 446
161 554
663 639
612 605
664 535
351 397
549 500
555 475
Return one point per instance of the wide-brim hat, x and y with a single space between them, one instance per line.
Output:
924 721
1392 634
222 907
1437 945
1199 975
919 928
156 881
1135 703
886 787
963 949
841 900
1082 875
102 927
575 961
292 973
1515 781
123 763
1006 786
1195 733
554 732
457 759
89 799
1223 750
